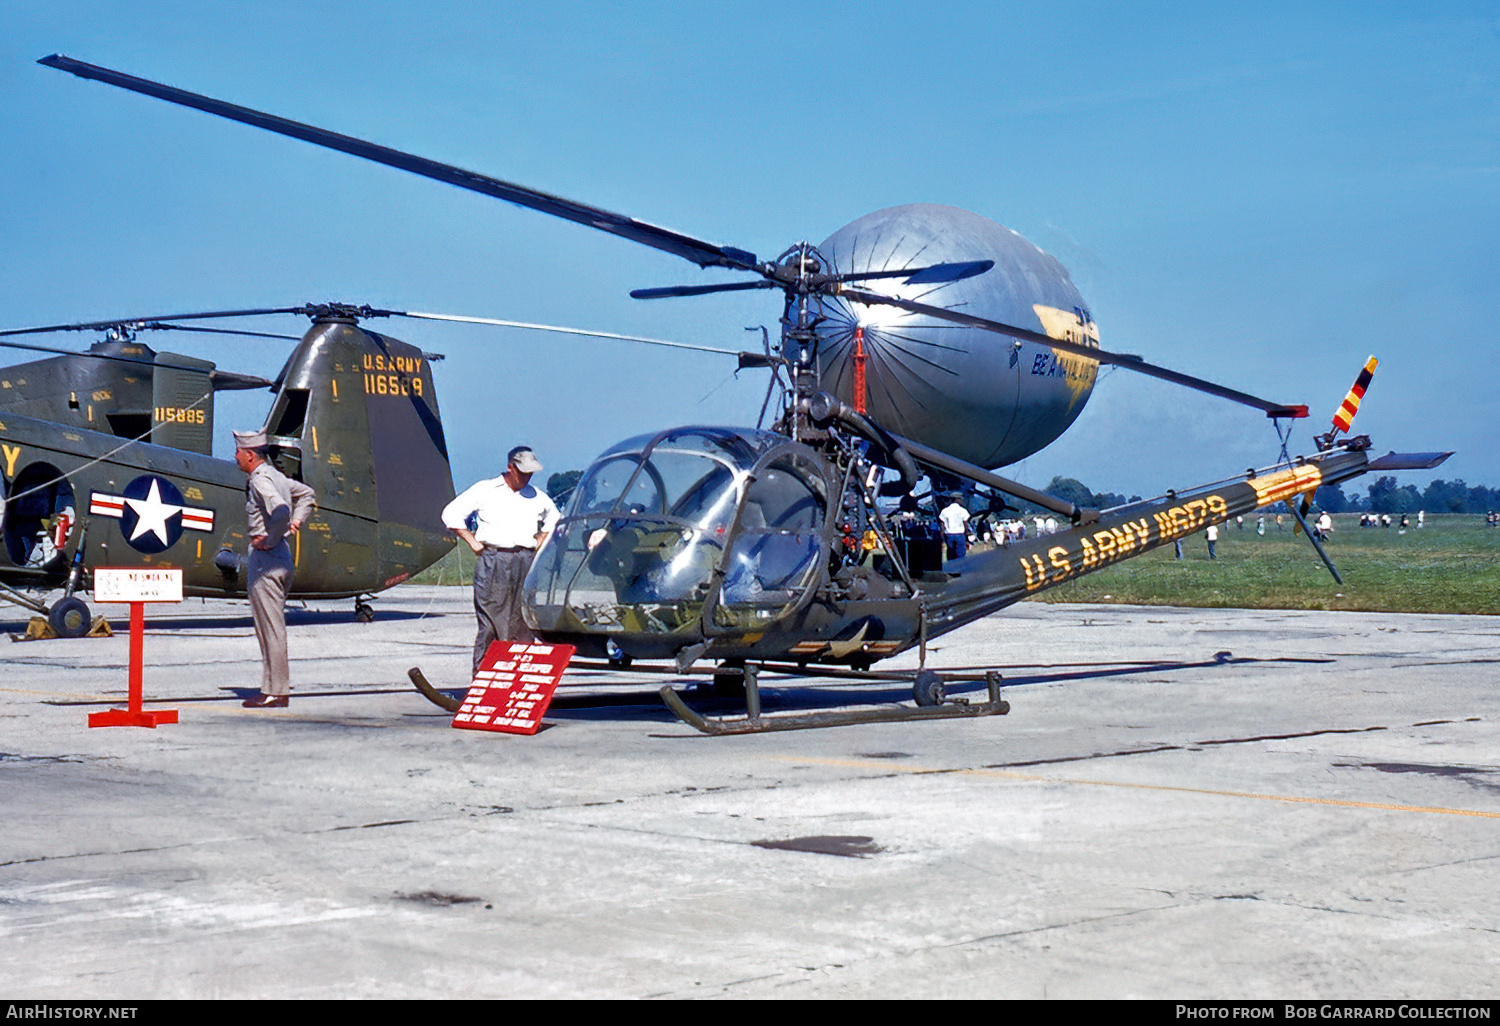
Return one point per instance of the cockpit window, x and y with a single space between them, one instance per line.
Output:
643 533
668 481
648 524
782 499
602 486
778 547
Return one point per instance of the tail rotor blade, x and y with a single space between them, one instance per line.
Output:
1343 417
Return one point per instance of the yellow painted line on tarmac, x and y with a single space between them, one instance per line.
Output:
886 767
65 694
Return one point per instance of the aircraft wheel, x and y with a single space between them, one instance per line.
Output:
927 689
69 617
364 612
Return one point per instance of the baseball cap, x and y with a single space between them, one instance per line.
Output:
524 459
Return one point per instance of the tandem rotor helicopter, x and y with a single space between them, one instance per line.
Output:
106 462
919 340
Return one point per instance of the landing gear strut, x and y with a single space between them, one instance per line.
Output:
68 617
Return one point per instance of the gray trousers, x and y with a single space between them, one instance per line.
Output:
270 575
498 579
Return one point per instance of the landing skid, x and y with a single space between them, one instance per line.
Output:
753 723
431 693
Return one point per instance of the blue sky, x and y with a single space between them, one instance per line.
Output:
1262 197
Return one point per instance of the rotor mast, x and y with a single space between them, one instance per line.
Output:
798 271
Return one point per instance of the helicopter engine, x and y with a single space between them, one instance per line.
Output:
980 396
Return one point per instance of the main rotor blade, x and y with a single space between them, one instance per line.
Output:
229 381
232 380
671 291
1134 363
460 319
931 275
143 322
73 352
220 331
704 254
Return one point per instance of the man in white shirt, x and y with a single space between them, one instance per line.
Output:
955 528
511 519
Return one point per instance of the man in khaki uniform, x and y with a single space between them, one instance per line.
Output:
275 506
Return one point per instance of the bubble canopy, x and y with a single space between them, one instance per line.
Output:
690 532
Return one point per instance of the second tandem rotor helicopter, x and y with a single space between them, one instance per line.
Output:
745 546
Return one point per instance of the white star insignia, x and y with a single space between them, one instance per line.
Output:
152 514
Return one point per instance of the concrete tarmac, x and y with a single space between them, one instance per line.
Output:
1316 816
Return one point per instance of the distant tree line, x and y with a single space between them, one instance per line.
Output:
1072 490
1385 496
560 486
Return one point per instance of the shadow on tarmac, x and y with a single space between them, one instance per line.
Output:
120 621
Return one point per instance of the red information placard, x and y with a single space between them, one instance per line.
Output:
513 687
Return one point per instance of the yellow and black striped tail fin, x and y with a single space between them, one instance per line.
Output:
1350 406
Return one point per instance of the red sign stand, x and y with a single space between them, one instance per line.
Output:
136 586
134 716
513 687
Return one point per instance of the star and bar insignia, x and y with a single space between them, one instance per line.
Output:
151 512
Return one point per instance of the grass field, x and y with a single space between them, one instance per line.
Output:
1452 565
457 567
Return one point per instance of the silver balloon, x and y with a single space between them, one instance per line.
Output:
981 396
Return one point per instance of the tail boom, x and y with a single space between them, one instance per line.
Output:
990 581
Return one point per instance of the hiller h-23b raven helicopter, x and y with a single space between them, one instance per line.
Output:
923 339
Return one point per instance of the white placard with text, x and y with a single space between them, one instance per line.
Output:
126 584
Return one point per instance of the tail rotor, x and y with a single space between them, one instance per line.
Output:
1343 419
